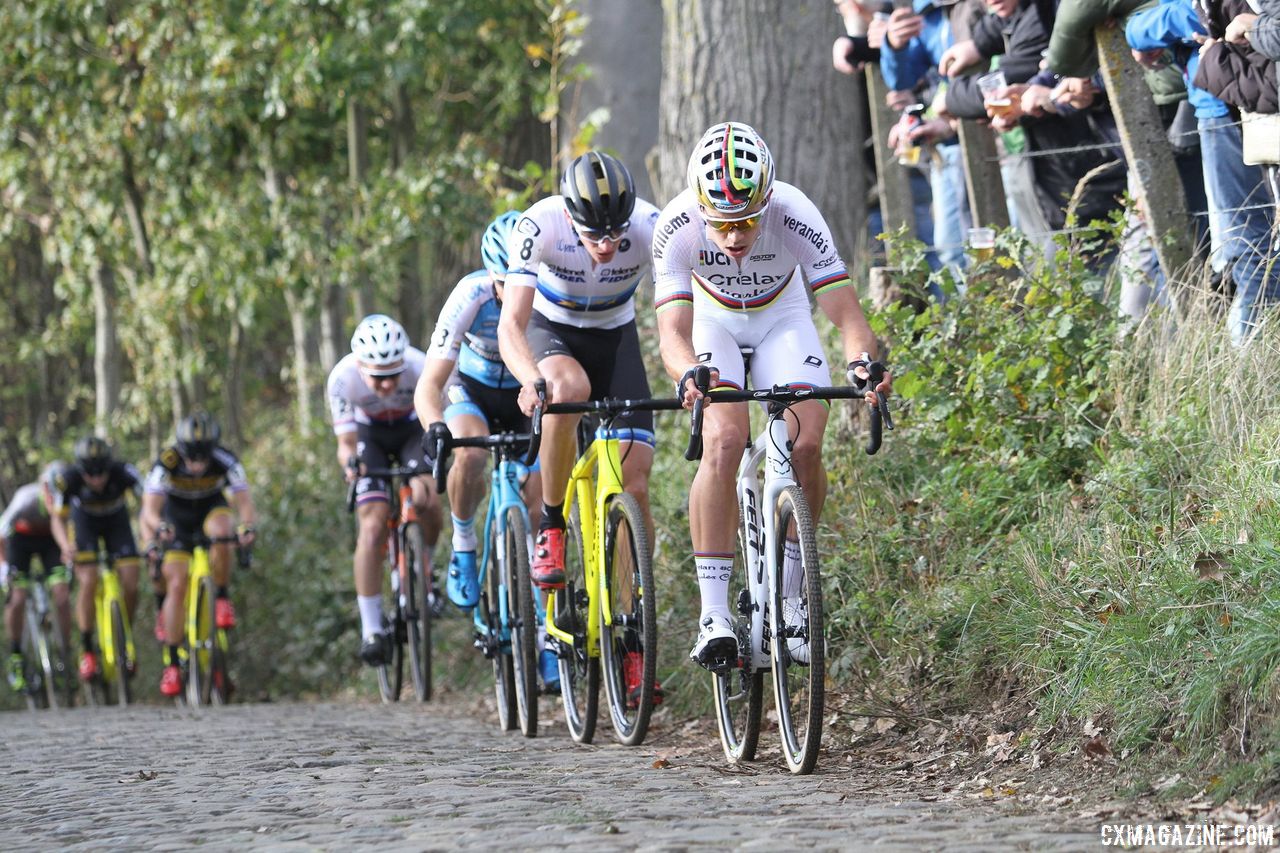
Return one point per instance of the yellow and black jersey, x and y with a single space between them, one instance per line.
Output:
170 476
70 491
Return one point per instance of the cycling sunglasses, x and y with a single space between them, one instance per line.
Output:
599 235
742 223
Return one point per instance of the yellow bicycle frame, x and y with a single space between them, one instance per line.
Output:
107 592
201 634
597 472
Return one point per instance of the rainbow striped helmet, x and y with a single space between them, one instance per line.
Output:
731 169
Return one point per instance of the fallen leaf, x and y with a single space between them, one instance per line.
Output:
1096 747
1242 538
661 764
610 829
884 724
1224 620
1209 565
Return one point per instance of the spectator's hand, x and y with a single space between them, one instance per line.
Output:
1004 117
931 131
899 99
904 25
1078 92
958 57
840 56
1207 46
876 31
1240 25
1149 59
939 105
1035 100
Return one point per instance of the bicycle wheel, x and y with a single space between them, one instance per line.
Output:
626 585
522 617
199 657
60 681
418 616
121 651
496 645
391 671
739 693
33 652
579 670
797 634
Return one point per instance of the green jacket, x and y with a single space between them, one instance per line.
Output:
1073 53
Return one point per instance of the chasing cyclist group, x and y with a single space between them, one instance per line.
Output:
734 259
77 514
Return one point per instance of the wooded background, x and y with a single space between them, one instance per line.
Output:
198 200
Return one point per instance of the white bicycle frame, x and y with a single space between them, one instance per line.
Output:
759 551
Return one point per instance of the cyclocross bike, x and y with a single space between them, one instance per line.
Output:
780 624
207 651
46 656
412 599
117 657
607 609
507 616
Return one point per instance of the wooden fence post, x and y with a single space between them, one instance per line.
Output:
896 209
982 175
1146 148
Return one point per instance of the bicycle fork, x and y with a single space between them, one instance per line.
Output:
755 603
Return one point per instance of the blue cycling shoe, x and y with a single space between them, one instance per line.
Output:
549 666
462 587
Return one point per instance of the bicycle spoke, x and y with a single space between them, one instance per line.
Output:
579 671
628 646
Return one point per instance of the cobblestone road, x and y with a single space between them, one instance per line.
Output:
337 776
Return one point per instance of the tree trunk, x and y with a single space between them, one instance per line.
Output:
301 364
106 354
738 60
409 298
133 206
625 81
233 393
358 169
333 338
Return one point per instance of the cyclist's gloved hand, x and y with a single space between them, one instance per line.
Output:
436 433
247 533
164 533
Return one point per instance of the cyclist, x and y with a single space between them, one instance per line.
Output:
185 500
26 531
577 260
371 400
92 494
726 256
482 398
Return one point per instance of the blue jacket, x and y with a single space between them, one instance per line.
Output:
1172 25
903 69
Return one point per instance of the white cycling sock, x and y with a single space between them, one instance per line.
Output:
541 642
464 534
370 615
713 583
792 572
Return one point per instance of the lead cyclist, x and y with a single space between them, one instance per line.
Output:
735 256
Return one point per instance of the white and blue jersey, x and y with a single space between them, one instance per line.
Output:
467 332
545 253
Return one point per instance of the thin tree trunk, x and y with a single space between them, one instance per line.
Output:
106 354
409 298
358 169
301 363
333 342
133 206
234 390
811 125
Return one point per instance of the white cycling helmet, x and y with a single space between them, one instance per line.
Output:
379 343
730 170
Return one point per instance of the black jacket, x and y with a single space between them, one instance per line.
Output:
1020 41
1238 74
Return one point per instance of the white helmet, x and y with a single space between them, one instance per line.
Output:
730 169
379 343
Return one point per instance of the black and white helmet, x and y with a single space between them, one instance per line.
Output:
598 192
379 343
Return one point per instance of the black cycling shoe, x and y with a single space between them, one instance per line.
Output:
373 651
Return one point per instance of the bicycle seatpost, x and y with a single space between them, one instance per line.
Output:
702 381
535 423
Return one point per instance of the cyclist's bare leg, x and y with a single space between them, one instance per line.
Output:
466 484
427 503
371 538
13 612
62 603
217 525
637 461
569 384
175 601
713 501
532 494
806 452
87 577
128 569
